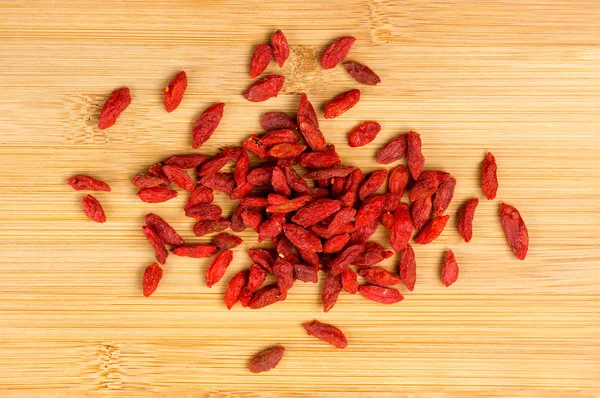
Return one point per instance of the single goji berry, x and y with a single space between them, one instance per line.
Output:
384 295
398 180
349 280
310 257
254 145
190 161
309 125
204 212
408 267
449 269
206 124
387 219
289 205
223 182
179 177
296 182
200 250
280 136
414 156
328 333
286 150
393 150
157 171
354 180
266 296
116 103
266 360
337 52
302 238
257 277
154 240
278 120
371 209
326 174
265 88
225 241
489 178
146 180
93 209
164 231
421 212
345 258
515 230
431 230
372 184
341 104
331 290
242 168
284 274
364 233
245 297
336 243
272 227
260 176
262 257
205 227
316 211
363 134
174 91
280 46
362 73
218 162
152 276
465 219
263 54
372 254
424 187
235 287
201 195
82 182
241 191
255 201
337 185
378 276
319 160
217 267
284 246
392 200
305 273
444 196
252 219
279 182
402 228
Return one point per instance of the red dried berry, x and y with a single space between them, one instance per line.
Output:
516 230
332 172
118 101
255 201
372 254
266 360
206 124
387 219
260 60
284 274
82 182
278 120
254 145
336 243
328 333
431 230
362 73
272 227
341 104
345 258
402 228
449 269
93 209
164 231
378 276
206 227
331 290
179 177
465 219
152 276
350 280
201 195
421 212
242 168
310 257
218 162
286 150
309 125
235 287
364 233
200 250
302 239
372 184
217 267
280 46
157 171
260 176
316 211
414 157
289 205
305 273
444 196
245 297
398 180
279 182
265 88
190 161
159 247
280 136
257 277
241 191
393 151
223 182
489 178
225 241
266 296
262 257
371 209
319 160
252 219
174 91
284 246
337 52
408 267
204 212
384 295
425 187
146 180
363 134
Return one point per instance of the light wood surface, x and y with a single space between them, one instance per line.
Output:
520 79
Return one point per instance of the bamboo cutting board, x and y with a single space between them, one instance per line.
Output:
520 79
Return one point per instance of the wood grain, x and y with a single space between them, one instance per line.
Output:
520 79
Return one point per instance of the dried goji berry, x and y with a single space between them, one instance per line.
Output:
252 219
82 182
284 273
279 136
152 276
156 243
328 333
392 200
372 254
393 150
265 88
305 273
331 290
262 257
336 243
118 101
190 161
319 160
421 212
309 125
289 205
341 104
205 227
425 186
337 185
350 280
378 276
200 250
157 171
402 228
408 267
225 241
363 134
260 176
266 360
284 246
164 231
310 257
179 177
279 182
414 156
354 180
449 269
204 212
286 150
242 168
302 239
398 180
431 230
281 49
336 52
364 233
235 287
223 182
278 120
206 124
93 209
295 182
272 227
266 296
332 172
263 54
255 201
174 91
345 258
465 219
387 219
146 180
372 184
371 209
218 162
362 73
316 211
516 230
245 297
201 195
489 178
444 196
254 145
257 277
384 295
339 224
217 267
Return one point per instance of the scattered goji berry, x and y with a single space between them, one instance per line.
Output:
372 184
190 161
174 91
489 177
465 219
278 120
164 231
263 54
425 186
305 273
272 227
373 253
393 150
146 180
152 276
284 274
235 287
328 333
254 145
316 211
384 295
337 185
93 209
378 276
245 297
201 195
204 212
217 267
223 182
179 177
444 196
349 280
289 205
331 290
82 182
302 238
421 212
319 160
205 227
215 164
336 243
345 258
260 176
155 241
252 219
414 156
364 233
449 269
262 257
362 73
286 150
266 360
309 125
402 228
279 136
310 257
363 134
257 277
387 219
225 241
206 124
326 174
265 88
431 230
284 246
266 296
116 103
200 250
341 104
280 46
371 209
337 52
515 230
157 171
392 200
408 267
255 201
241 191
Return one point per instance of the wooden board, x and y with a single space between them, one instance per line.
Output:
520 79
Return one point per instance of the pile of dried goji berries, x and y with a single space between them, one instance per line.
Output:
318 220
